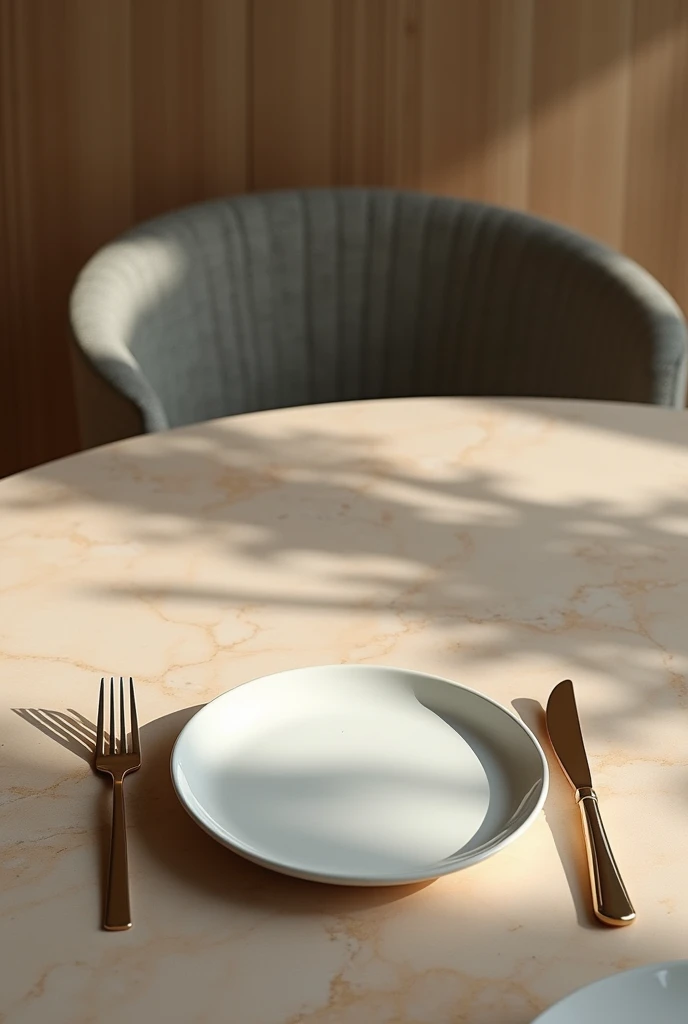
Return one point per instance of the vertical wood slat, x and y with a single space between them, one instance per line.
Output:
454 102
189 97
509 98
476 90
579 120
656 203
100 154
11 244
377 85
115 110
292 90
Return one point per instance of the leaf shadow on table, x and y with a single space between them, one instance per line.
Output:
197 861
575 574
392 541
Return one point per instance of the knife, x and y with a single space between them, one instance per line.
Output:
611 902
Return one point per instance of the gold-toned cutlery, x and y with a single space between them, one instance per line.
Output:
611 902
117 757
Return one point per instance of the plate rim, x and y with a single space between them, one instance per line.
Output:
661 965
439 870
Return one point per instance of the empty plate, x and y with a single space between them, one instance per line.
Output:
359 774
658 994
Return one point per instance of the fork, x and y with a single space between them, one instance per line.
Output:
117 758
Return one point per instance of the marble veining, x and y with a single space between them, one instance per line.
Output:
507 544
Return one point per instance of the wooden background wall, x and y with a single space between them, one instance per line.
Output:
115 110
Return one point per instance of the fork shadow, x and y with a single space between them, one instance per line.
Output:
70 729
562 817
179 846
76 733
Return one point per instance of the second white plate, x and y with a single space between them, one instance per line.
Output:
657 994
359 774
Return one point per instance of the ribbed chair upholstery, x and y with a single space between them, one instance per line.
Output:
289 298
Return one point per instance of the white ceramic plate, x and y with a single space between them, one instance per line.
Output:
359 774
656 994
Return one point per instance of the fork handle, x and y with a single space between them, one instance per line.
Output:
117 911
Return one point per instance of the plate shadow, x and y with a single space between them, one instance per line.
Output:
198 861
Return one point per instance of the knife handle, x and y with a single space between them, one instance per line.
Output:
610 899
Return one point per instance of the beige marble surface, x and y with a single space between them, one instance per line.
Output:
503 544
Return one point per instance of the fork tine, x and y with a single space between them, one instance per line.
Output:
122 720
100 728
113 738
135 746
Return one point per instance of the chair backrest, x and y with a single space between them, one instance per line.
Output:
291 298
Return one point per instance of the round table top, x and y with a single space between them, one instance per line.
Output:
504 544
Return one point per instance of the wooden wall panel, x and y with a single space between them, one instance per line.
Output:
115 110
110 111
61 180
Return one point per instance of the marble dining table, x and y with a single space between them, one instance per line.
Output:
505 544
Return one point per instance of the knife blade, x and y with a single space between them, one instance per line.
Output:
563 726
611 901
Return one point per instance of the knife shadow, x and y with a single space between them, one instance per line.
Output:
562 817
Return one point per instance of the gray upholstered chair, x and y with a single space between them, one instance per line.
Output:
290 298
